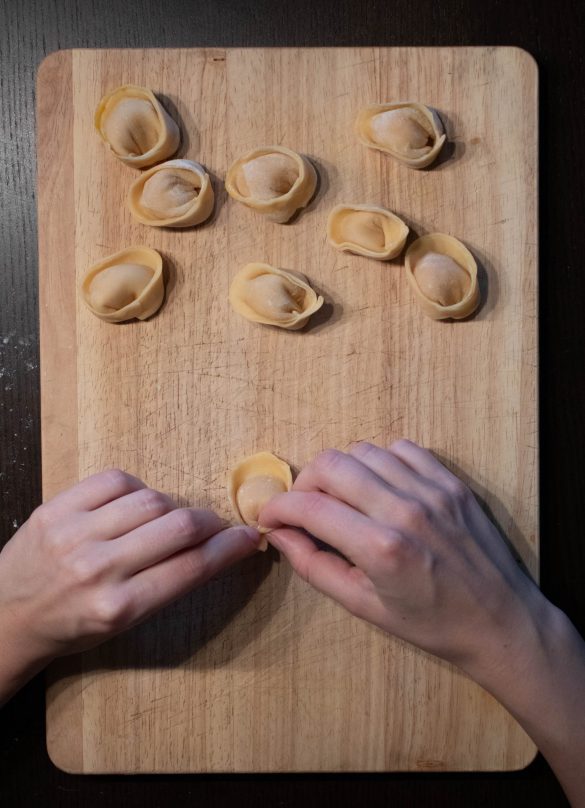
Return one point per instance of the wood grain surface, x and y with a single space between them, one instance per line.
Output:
257 672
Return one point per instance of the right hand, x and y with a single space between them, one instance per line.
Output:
420 558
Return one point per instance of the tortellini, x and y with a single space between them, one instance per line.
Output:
366 230
410 132
443 275
274 181
255 481
124 286
136 127
177 193
265 294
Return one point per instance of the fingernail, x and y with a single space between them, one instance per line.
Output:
274 539
265 532
263 543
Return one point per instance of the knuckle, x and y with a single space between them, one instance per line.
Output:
184 522
109 611
442 500
195 565
329 460
153 502
56 539
314 504
414 514
363 449
452 495
56 543
42 518
405 448
401 443
390 549
458 490
82 569
119 480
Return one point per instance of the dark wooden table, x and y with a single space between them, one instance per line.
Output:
553 33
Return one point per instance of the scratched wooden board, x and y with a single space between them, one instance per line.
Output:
258 672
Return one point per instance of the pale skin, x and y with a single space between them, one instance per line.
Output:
97 559
419 559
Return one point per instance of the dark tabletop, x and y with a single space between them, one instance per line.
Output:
554 34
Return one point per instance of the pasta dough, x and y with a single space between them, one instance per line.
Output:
274 181
265 294
177 193
136 127
366 230
253 482
410 132
443 276
124 286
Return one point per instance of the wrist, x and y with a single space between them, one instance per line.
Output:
527 666
22 656
521 642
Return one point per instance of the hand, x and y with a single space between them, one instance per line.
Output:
421 559
101 557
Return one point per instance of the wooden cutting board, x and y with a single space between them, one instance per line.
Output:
258 672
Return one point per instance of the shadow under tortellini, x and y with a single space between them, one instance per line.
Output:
169 273
330 312
208 628
220 197
322 171
170 279
454 148
489 286
415 230
487 276
179 112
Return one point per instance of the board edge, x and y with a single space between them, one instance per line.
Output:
57 324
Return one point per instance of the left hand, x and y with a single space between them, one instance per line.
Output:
99 558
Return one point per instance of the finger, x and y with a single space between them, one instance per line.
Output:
346 478
95 491
330 574
391 469
159 585
355 536
122 515
157 540
420 460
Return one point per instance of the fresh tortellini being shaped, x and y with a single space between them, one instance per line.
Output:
274 181
124 286
136 127
177 193
443 275
410 132
264 294
366 230
255 481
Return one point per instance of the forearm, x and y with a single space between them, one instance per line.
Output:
544 688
